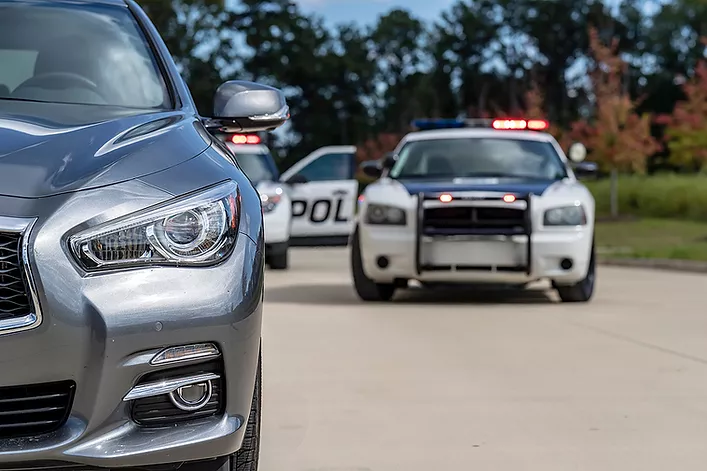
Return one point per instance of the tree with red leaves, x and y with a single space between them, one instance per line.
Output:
686 131
617 138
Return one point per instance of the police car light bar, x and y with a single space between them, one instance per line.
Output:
520 124
499 124
245 139
426 124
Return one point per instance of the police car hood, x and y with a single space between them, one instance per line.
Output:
506 185
48 149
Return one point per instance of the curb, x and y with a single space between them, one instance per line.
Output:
690 266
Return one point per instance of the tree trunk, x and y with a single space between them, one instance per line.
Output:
614 193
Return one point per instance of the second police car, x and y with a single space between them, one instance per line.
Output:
257 163
467 201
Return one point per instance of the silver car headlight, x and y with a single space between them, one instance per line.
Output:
196 230
565 216
270 200
385 215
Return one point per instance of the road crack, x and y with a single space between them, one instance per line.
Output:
641 343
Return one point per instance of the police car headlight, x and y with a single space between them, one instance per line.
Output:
269 201
565 216
383 214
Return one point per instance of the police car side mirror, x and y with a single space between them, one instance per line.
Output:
389 160
241 106
577 152
297 179
372 168
586 169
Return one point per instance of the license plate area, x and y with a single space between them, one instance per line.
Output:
475 253
475 231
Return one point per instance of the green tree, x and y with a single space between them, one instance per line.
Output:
194 33
396 45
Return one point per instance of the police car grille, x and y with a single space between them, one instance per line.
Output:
475 220
14 301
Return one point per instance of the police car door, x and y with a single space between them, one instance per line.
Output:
324 191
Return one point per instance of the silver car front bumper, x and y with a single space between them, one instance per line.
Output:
97 334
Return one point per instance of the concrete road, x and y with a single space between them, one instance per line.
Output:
484 381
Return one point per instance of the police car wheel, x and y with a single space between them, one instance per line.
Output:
278 261
367 289
580 292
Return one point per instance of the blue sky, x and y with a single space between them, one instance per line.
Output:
366 11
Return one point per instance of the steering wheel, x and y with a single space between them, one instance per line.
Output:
56 79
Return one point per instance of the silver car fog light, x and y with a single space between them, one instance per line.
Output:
192 397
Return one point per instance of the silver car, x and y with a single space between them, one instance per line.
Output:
131 249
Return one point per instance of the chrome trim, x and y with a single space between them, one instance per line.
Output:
282 113
182 404
158 388
214 353
23 227
456 203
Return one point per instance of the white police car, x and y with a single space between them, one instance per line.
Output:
255 160
467 201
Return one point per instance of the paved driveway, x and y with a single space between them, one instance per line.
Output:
483 381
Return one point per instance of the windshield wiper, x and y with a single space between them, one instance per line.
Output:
29 100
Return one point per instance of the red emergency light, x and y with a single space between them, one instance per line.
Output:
245 139
520 124
445 198
509 198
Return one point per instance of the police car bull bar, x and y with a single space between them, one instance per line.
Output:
493 204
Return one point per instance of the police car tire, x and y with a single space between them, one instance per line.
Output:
367 289
580 292
278 261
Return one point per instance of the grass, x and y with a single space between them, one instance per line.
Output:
666 196
653 238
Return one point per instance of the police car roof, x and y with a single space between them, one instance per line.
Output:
459 133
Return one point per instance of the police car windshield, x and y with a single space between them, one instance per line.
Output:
471 157
256 166
77 53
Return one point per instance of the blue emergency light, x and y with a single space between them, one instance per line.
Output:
426 124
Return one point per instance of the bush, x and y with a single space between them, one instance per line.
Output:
659 196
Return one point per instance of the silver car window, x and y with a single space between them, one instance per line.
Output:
93 54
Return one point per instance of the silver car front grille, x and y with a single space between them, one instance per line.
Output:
19 303
14 299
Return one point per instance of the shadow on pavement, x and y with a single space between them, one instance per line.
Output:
344 295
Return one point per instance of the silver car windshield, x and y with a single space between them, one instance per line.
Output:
479 157
91 54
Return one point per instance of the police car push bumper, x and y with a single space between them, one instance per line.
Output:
419 250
